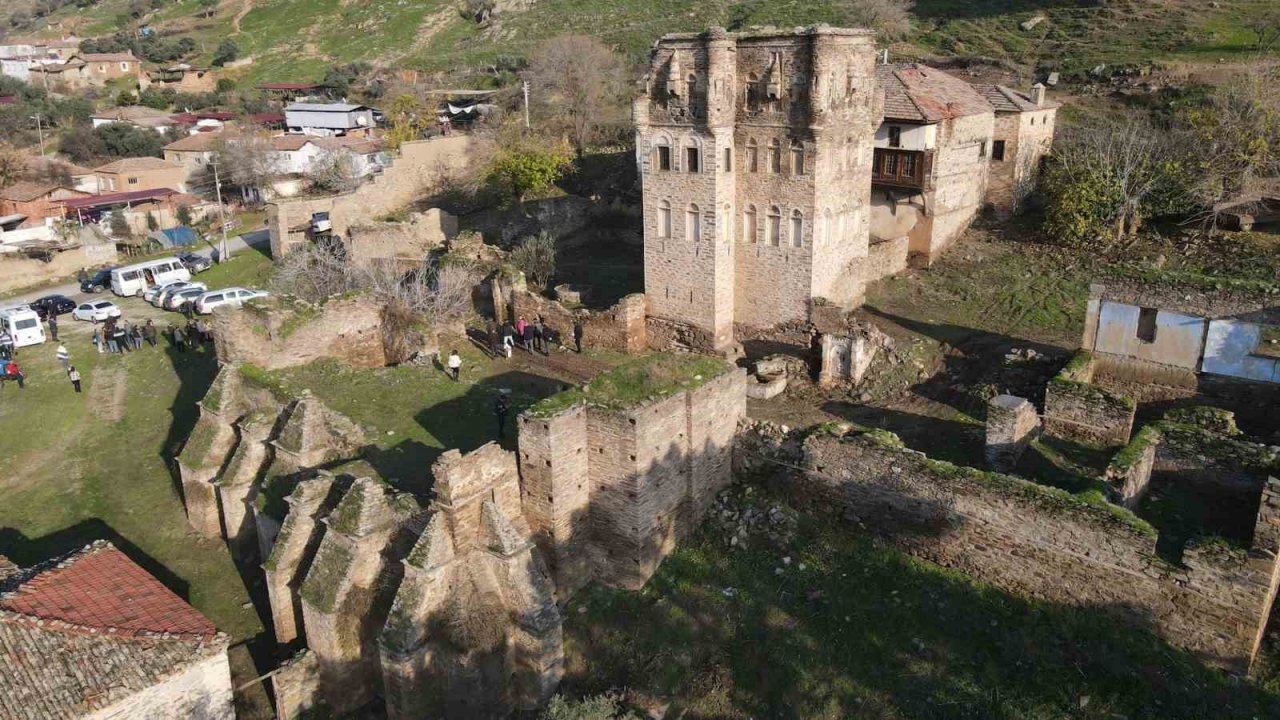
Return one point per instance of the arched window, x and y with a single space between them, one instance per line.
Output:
773 227
664 219
690 87
797 228
753 156
662 153
749 226
797 159
692 224
775 156
728 160
751 98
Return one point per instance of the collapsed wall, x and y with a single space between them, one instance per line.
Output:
280 332
1077 409
1044 542
610 487
620 328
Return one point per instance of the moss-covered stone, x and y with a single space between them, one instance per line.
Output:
636 383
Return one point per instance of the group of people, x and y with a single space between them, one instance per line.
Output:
190 336
531 336
119 338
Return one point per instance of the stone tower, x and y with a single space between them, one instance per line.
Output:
755 153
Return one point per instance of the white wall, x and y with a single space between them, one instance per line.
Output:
1177 340
914 137
1229 350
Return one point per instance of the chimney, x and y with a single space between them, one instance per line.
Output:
1037 94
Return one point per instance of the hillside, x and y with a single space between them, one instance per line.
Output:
298 39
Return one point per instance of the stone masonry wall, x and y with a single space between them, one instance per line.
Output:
406 242
609 492
1129 473
960 177
283 333
1011 425
202 691
419 168
1087 412
620 328
887 257
1031 539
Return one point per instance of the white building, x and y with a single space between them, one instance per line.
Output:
328 119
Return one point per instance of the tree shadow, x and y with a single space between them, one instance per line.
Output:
470 420
868 632
950 440
27 551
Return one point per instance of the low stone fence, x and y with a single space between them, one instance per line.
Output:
1041 541
620 328
1076 409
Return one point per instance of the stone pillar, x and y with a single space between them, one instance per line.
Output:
1011 424
201 499
237 488
291 554
556 492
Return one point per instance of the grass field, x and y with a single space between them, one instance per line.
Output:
828 624
299 39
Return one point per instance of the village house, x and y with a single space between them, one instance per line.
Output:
80 178
295 156
931 156
92 635
139 116
36 202
182 77
140 173
327 119
137 207
85 70
1022 138
193 153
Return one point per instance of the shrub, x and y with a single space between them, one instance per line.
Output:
535 256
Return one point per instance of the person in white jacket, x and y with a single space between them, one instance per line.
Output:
455 364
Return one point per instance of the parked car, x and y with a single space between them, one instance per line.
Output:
226 296
195 263
177 300
96 311
53 305
157 294
97 282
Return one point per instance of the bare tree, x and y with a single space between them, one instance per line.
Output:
246 161
333 171
432 291
535 256
1236 135
891 18
1265 27
578 89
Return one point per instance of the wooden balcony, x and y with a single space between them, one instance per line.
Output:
898 168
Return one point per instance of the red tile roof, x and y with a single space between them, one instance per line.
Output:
919 93
118 198
101 589
1007 100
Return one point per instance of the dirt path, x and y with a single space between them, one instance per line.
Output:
246 6
108 390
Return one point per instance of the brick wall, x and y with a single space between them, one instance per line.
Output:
1027 538
1087 412
415 172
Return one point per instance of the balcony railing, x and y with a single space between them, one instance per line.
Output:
901 168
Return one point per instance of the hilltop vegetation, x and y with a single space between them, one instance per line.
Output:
300 39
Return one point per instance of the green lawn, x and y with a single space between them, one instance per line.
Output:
827 623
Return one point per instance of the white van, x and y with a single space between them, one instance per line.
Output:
23 325
135 279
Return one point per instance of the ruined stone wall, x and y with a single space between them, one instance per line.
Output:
1040 541
620 328
1129 473
418 169
1012 423
203 690
1087 412
406 242
1028 137
621 487
282 332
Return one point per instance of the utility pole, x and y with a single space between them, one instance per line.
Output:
526 104
222 215
40 131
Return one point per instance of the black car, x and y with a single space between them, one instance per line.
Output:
195 263
97 282
53 305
